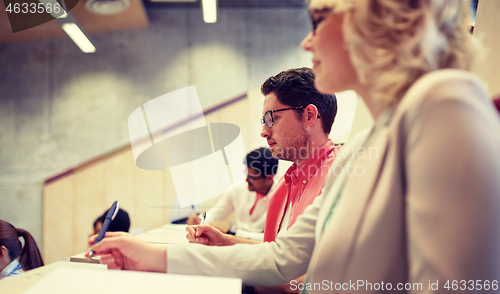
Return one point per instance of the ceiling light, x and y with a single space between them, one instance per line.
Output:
107 7
78 37
209 10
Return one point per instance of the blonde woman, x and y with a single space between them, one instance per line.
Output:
417 209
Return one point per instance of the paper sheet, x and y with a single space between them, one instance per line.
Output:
65 280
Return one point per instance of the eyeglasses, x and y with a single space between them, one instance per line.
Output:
268 118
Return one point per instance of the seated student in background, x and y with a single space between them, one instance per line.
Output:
14 258
121 223
247 200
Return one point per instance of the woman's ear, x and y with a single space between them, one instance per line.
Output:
3 252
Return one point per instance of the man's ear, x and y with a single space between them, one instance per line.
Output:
311 114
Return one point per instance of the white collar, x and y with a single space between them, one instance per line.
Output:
10 267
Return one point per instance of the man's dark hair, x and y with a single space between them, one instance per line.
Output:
121 223
295 87
262 161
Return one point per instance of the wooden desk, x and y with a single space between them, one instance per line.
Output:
22 282
82 278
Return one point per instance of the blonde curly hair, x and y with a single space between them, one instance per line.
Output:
392 43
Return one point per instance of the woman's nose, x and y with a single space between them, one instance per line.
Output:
307 42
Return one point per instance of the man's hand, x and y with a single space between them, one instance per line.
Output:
208 235
123 251
193 219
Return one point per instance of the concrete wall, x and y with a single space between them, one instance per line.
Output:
60 107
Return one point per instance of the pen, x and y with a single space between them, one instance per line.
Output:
203 217
113 210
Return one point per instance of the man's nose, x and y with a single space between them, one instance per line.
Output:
265 132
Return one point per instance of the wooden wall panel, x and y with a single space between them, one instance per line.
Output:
148 198
58 203
245 114
118 179
88 203
167 197
236 113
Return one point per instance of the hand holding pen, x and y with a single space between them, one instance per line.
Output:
113 210
203 217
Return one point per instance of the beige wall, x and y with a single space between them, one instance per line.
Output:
72 203
487 29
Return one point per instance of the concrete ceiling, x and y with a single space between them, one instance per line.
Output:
227 3
134 17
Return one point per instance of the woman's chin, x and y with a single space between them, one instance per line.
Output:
325 86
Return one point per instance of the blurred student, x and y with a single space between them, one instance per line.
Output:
14 258
121 223
248 201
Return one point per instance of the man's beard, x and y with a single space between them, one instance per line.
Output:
298 148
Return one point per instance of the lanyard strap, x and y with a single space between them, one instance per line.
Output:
334 205
308 275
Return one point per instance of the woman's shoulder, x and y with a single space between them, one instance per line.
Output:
444 86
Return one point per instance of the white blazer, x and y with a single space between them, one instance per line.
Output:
423 207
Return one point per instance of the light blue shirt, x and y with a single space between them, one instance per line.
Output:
12 269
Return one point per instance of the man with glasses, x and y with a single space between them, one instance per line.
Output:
296 123
248 201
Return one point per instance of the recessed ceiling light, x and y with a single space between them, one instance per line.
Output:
209 10
107 7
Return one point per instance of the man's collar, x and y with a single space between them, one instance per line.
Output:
306 170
